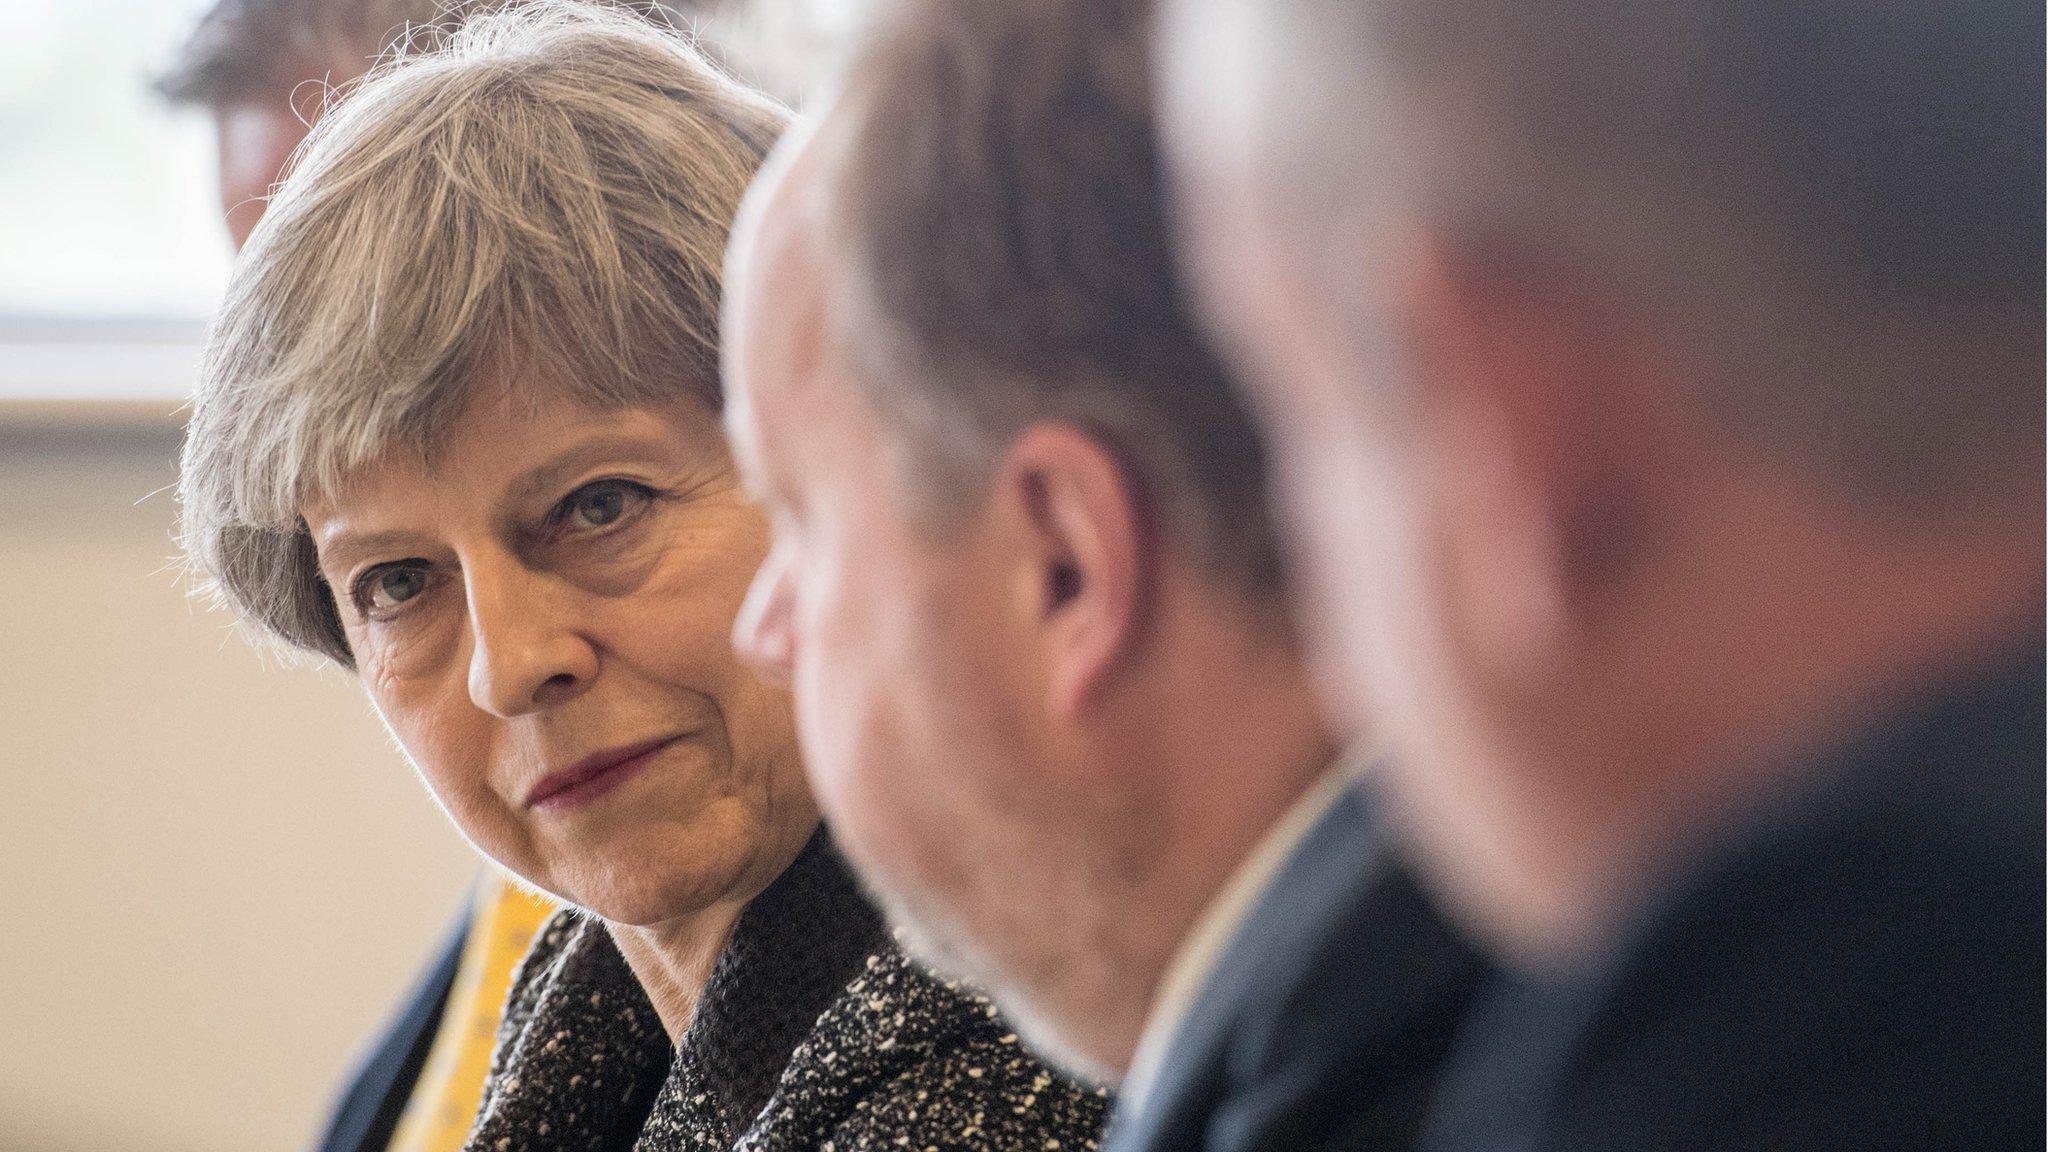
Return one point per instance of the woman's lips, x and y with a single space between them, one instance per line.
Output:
591 777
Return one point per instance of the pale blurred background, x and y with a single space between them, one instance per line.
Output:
220 875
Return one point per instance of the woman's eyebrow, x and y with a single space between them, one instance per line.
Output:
544 478
340 550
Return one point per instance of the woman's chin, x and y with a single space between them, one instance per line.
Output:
632 889
632 871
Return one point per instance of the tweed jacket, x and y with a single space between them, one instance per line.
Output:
815 1033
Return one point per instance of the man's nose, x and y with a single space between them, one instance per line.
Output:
761 632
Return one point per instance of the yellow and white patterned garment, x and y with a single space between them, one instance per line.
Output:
444 1101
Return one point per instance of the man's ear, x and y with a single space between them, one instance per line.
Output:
1546 455
1085 560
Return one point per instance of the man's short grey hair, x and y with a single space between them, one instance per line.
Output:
544 197
1835 204
1003 259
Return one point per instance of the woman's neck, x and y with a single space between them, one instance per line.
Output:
673 960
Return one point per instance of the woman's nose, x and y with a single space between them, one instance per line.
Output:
761 632
528 651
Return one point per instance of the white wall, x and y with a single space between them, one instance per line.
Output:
217 873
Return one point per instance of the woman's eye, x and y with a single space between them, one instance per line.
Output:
602 504
388 587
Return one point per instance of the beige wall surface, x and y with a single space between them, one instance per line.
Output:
218 873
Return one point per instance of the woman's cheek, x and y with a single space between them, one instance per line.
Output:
420 644
455 762
380 677
427 715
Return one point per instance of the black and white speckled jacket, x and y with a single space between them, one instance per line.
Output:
815 1033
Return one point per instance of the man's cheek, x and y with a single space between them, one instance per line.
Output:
851 765
833 706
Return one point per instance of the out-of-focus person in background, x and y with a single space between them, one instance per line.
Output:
1026 593
1658 391
264 70
457 430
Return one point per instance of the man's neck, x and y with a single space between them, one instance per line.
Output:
1222 920
1233 752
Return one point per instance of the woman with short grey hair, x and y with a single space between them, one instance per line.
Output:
457 430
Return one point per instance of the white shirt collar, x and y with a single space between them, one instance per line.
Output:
1202 948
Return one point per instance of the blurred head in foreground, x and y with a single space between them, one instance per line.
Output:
1657 389
1022 582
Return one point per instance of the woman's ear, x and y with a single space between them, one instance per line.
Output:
1084 562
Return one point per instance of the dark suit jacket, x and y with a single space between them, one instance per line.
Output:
375 1094
1862 969
1327 1016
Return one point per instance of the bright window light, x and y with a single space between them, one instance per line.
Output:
107 203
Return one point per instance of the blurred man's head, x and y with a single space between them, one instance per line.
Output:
1653 385
262 68
1022 578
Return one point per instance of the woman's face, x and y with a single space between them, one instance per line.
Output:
542 617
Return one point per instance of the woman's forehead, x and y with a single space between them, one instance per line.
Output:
500 451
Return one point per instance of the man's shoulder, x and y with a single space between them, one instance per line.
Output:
1342 940
1331 1009
1867 973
